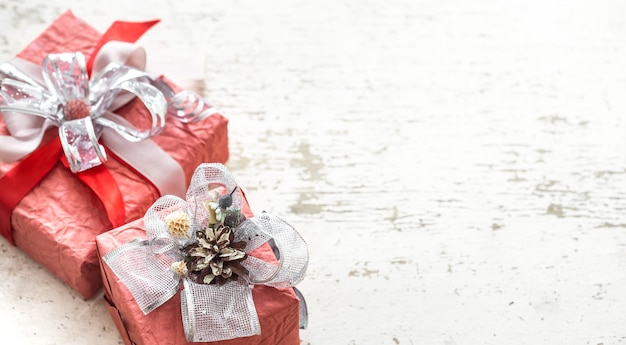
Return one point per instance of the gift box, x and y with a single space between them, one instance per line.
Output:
277 309
136 270
58 219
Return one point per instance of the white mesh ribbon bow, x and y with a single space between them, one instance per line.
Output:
78 106
205 244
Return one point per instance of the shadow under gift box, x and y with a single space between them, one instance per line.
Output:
57 222
278 310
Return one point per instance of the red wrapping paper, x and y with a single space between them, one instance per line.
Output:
277 309
57 222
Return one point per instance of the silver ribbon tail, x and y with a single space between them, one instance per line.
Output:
214 312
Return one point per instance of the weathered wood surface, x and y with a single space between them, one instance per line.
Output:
458 168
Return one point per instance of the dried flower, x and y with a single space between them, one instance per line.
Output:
178 224
179 268
215 257
221 210
233 217
215 212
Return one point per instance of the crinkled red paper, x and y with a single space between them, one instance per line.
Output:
58 221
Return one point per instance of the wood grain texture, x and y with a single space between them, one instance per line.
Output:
457 168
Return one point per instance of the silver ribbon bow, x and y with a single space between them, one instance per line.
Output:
210 312
80 107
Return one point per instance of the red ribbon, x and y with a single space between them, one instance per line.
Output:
20 180
102 183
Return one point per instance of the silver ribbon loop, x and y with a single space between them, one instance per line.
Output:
210 312
8 70
291 265
65 75
30 99
188 107
71 97
143 274
156 217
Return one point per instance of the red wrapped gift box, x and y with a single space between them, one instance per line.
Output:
277 309
57 222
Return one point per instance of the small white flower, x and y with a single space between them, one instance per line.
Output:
216 214
179 268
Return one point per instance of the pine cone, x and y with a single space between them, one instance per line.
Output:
215 258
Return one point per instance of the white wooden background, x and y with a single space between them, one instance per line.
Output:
457 167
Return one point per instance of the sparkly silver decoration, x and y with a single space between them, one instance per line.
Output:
79 106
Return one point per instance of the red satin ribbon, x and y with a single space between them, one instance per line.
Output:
16 183
20 180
